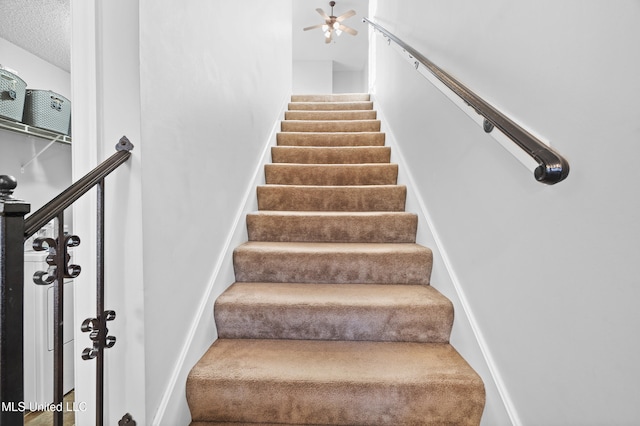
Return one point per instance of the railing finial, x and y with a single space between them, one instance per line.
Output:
7 185
124 144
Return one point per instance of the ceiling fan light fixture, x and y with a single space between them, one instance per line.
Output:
333 23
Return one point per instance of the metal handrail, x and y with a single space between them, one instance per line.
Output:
552 167
49 211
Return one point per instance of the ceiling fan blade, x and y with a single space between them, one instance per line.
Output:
348 29
312 27
324 15
346 15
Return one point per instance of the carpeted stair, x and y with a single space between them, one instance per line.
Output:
331 320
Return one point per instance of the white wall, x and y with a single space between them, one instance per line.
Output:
214 75
312 77
349 81
548 271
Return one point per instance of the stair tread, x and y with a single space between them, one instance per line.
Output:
330 106
330 214
373 312
334 97
334 382
339 248
335 295
332 361
347 114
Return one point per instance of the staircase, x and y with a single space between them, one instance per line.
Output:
331 320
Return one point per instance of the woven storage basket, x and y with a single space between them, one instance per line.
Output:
12 95
47 110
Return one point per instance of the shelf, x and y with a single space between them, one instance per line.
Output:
14 126
25 129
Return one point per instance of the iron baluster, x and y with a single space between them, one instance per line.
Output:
97 327
59 270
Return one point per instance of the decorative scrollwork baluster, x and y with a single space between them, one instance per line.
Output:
49 276
71 271
98 333
127 420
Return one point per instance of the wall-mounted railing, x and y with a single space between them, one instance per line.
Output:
14 231
550 166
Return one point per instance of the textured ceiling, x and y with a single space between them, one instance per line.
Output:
42 27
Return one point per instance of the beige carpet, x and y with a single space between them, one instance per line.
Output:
332 319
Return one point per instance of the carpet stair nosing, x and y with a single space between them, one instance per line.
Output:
336 97
330 106
368 114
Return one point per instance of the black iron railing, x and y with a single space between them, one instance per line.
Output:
14 231
552 167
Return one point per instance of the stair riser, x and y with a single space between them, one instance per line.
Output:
330 106
337 175
322 267
323 324
330 115
331 126
306 312
340 404
339 97
332 198
330 155
386 228
330 139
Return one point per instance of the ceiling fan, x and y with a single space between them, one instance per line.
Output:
333 24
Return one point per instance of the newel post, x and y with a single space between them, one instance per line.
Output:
12 213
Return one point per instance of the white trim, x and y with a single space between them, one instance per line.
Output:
85 126
440 248
203 312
